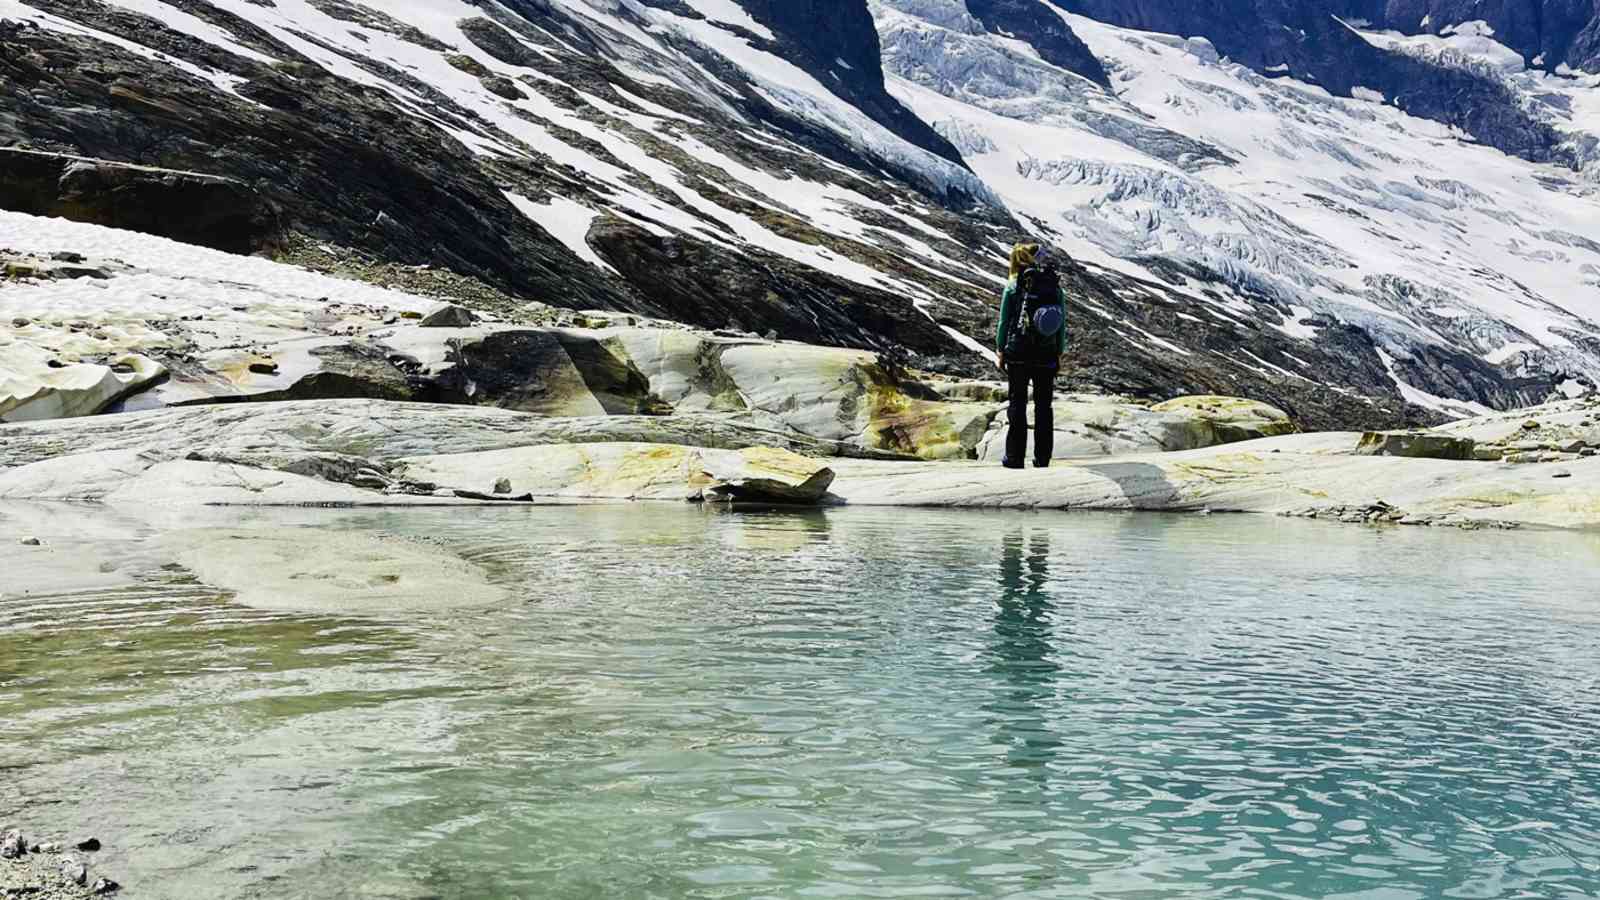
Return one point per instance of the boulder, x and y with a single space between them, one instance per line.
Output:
628 471
448 316
834 394
191 207
1416 445
1227 420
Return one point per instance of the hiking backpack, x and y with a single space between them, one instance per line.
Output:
1040 316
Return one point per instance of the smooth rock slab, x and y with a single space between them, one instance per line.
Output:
376 430
31 390
1272 475
628 471
1088 425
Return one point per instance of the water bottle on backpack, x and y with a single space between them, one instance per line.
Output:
1034 336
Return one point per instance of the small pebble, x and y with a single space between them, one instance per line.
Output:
32 542
1562 475
105 886
88 845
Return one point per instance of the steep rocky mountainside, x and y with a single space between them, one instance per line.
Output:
1266 197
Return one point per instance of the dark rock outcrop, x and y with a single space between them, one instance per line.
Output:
1552 31
837 43
1311 40
208 210
1048 33
343 162
712 287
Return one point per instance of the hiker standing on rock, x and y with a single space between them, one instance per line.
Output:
1030 341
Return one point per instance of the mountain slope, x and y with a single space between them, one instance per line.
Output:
1472 271
851 174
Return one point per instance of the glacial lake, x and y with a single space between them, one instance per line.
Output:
685 702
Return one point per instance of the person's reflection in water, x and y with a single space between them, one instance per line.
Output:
1023 654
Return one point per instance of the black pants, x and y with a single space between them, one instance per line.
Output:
1043 381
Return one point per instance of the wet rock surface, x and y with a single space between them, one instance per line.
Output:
387 454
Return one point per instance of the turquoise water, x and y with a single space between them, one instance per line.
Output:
685 703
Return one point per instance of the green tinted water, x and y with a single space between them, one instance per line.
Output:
682 703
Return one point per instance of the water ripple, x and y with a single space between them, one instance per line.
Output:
691 703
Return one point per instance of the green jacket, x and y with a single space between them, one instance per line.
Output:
1008 317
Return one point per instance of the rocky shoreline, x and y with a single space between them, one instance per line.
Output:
50 869
383 453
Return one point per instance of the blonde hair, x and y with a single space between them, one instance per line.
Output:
1022 256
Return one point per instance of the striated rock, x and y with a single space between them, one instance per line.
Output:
629 471
1416 445
344 435
31 388
208 210
12 845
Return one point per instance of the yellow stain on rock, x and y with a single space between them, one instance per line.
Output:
781 462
